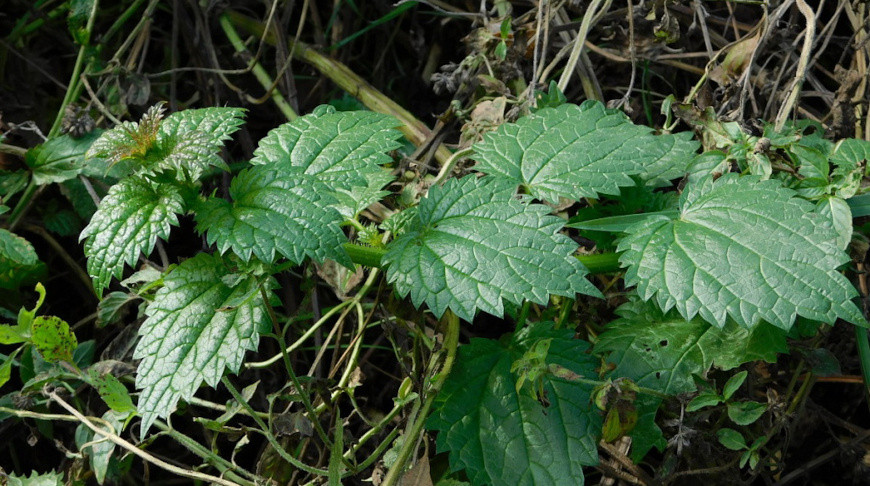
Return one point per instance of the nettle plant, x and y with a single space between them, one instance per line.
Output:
717 272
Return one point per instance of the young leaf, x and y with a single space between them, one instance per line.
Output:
186 142
733 384
216 125
197 327
580 151
128 222
743 248
353 201
703 400
339 147
502 437
745 413
129 140
275 210
473 245
19 263
731 439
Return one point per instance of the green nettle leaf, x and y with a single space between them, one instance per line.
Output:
128 222
197 327
58 159
212 126
354 200
19 263
580 151
473 245
662 351
275 210
187 142
339 147
129 140
675 152
743 248
36 479
502 437
53 339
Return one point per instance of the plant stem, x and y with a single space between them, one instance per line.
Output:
225 467
409 442
115 439
863 345
65 256
74 80
367 256
260 73
22 205
268 433
415 130
303 396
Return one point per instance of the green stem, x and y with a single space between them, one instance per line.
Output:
863 344
121 20
268 433
367 256
226 468
306 401
600 262
12 149
415 130
22 205
75 78
260 73
409 442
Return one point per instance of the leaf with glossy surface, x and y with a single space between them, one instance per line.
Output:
215 125
19 263
836 210
340 147
353 201
275 211
741 248
473 244
128 222
504 438
58 159
580 151
197 327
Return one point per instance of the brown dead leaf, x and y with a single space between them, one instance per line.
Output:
418 475
736 61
